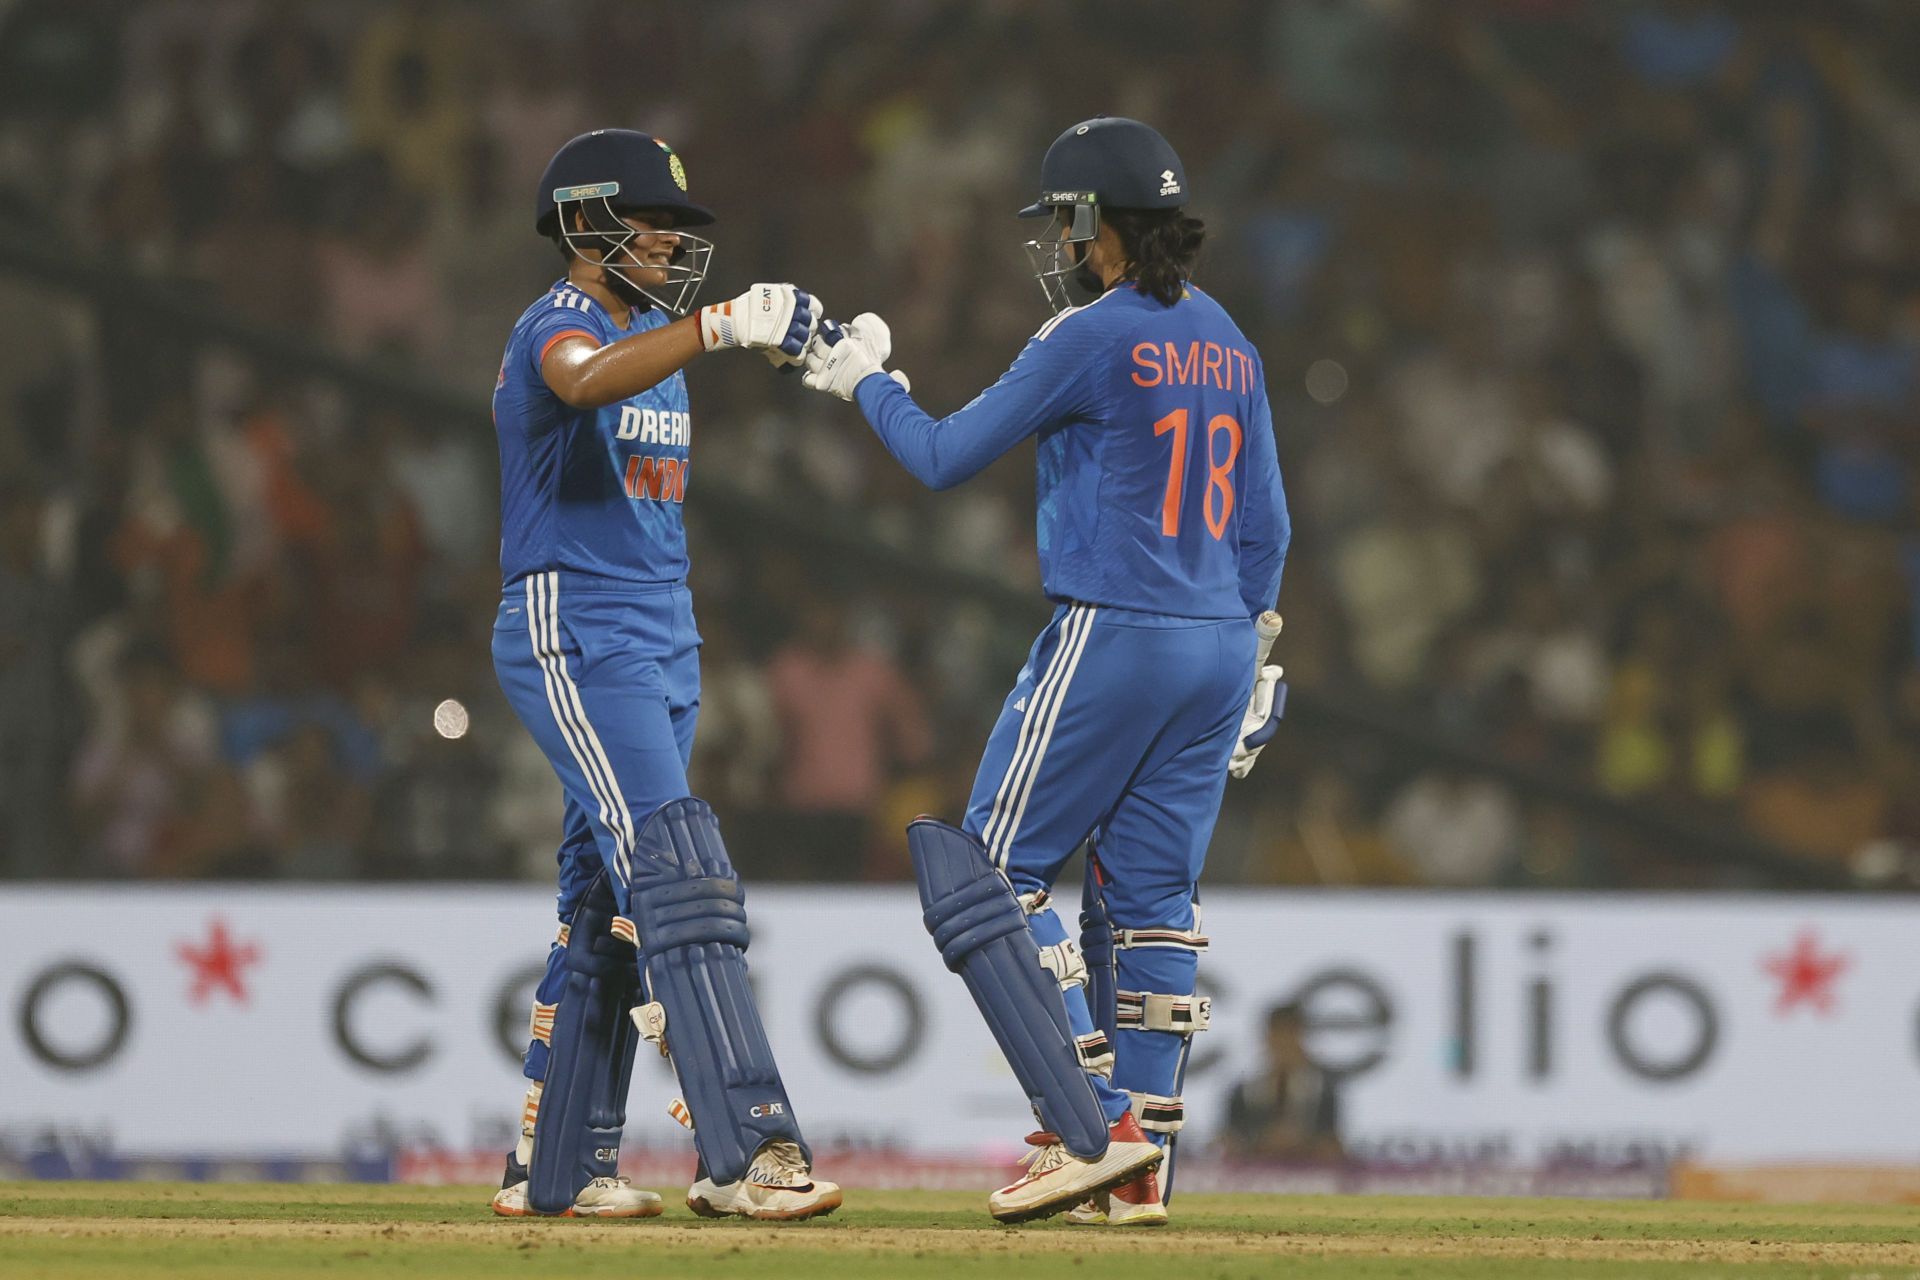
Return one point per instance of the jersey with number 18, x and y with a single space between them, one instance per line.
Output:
1158 477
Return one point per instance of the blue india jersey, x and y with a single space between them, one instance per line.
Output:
595 492
1158 476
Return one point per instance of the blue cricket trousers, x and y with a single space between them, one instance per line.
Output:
606 677
1119 728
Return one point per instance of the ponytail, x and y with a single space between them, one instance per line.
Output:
1161 246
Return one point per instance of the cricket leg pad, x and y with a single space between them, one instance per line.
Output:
1157 1014
1096 949
981 930
691 917
582 1106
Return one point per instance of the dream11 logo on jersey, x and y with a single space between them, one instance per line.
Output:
649 477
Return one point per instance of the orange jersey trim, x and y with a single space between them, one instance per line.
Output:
562 336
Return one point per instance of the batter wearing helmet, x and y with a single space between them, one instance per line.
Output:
1162 530
596 648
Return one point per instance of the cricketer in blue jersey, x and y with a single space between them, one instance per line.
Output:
596 648
1162 530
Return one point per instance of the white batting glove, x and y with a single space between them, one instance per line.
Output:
841 357
1261 721
776 318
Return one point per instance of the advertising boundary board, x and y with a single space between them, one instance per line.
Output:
1598 1030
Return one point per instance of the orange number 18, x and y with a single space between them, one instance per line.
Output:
1219 472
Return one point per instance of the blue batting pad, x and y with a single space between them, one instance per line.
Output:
576 1136
692 920
982 934
1096 948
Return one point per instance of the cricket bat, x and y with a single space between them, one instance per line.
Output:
1266 629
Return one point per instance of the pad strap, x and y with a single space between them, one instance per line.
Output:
1184 939
1158 1113
1096 1053
1063 961
650 1020
1155 1011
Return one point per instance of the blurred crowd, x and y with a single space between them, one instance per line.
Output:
1591 332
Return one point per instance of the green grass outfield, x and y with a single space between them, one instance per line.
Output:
127 1231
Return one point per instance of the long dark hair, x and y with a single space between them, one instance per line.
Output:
1161 246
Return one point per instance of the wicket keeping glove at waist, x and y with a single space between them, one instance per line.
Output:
1261 721
842 356
776 318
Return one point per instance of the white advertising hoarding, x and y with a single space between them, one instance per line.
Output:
318 1022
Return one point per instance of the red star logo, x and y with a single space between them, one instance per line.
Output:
1806 975
218 965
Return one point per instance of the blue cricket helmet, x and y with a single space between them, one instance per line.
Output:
606 173
631 170
1108 161
1112 161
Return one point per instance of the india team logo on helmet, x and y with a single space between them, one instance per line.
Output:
674 167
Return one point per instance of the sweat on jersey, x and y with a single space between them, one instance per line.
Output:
595 492
1159 482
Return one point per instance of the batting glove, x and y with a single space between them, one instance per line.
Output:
844 356
1261 721
776 318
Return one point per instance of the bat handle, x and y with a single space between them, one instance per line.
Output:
1266 629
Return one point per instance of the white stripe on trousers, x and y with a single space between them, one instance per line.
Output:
1044 713
1046 735
563 698
624 832
1031 718
537 629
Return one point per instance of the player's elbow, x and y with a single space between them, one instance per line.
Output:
940 479
580 392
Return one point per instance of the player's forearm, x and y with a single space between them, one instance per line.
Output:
944 452
912 435
589 377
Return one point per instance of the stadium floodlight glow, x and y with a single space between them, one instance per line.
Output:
450 719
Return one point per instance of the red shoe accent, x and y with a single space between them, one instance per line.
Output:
1126 1129
1144 1189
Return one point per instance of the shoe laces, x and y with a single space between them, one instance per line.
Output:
780 1164
1048 1153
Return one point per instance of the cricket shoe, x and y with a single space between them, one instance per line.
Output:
779 1187
1131 1204
601 1198
1057 1180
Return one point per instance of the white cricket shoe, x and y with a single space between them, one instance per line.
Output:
1057 1180
601 1198
1131 1204
1088 1213
779 1187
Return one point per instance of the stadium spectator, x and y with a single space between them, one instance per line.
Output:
847 718
1290 1109
1593 334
